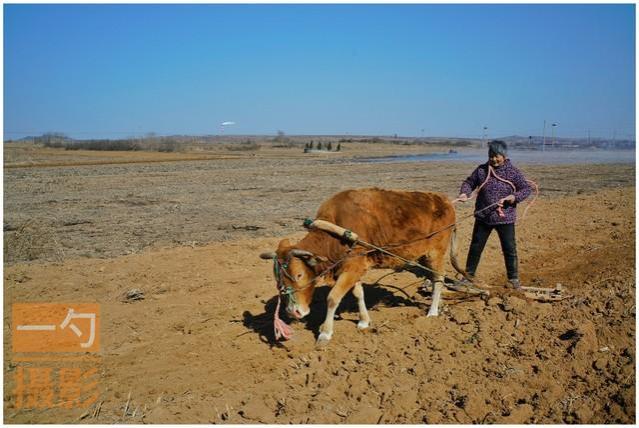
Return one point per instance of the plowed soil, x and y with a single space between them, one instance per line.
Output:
199 347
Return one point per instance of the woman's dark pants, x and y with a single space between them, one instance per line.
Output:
506 233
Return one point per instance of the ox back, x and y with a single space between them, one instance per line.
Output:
385 218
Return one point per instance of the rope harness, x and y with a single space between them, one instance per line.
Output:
280 328
284 331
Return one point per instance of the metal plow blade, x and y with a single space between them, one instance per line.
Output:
545 294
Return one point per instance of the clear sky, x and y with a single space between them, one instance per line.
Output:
110 71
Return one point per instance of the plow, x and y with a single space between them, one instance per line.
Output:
453 285
540 294
545 294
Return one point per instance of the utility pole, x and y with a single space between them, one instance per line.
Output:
543 141
483 137
589 137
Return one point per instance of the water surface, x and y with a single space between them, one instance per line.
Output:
519 157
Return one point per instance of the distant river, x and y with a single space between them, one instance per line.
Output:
518 157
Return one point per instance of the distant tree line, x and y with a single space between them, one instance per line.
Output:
149 143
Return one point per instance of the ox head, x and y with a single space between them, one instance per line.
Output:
295 275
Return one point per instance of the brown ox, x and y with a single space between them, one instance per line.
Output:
381 217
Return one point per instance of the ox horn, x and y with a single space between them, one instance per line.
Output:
268 256
301 253
308 257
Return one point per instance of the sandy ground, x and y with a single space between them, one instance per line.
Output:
199 348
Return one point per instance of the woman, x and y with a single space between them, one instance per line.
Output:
500 187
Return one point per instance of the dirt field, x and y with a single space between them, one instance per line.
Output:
199 348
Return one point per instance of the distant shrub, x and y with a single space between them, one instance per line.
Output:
244 146
52 139
281 141
54 144
168 146
285 145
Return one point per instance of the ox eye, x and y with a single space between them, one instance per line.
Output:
299 276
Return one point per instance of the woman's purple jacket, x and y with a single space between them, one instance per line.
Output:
494 190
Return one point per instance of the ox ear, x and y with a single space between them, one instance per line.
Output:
283 247
313 261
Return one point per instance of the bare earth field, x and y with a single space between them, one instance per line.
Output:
187 229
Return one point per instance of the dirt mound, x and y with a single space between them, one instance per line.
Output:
198 347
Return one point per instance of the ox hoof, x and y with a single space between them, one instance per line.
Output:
323 339
363 325
432 313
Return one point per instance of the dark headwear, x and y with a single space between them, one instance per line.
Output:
497 147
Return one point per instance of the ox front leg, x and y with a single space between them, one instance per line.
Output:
364 318
344 283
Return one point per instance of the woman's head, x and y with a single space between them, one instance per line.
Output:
497 151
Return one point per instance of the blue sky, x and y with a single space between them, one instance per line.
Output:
112 71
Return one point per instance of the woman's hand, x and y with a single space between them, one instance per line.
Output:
510 199
462 197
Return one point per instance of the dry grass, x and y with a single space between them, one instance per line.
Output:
31 240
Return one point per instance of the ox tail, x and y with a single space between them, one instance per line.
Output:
453 254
